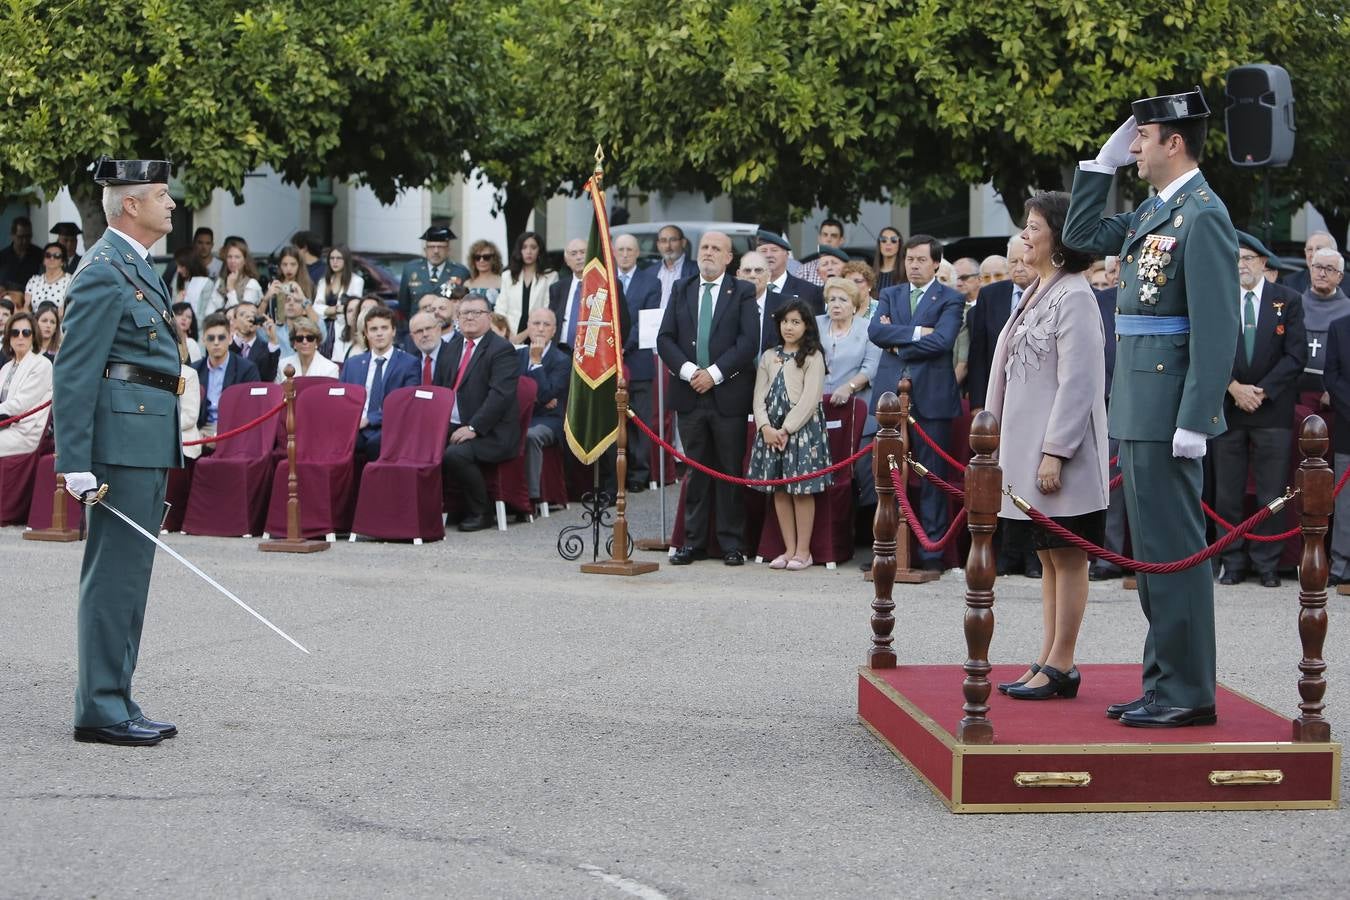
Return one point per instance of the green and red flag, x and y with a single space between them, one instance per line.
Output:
592 421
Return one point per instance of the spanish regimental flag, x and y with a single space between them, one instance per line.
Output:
592 421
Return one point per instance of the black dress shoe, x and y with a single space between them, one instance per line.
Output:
686 555
637 487
472 523
1115 710
1232 576
127 734
931 565
1004 685
1061 684
1033 571
1103 573
1155 716
1270 579
733 558
165 729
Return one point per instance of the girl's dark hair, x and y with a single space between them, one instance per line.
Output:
192 327
876 255
810 337
1053 206
518 262
345 277
346 328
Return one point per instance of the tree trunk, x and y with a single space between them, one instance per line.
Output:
517 209
88 199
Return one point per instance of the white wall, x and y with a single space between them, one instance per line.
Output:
368 226
271 212
474 220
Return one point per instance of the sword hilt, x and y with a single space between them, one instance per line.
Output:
93 498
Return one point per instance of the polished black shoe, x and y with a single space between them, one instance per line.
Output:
127 734
931 565
1270 579
1115 710
165 729
686 555
733 558
1333 580
1155 716
473 523
1033 571
637 487
1061 684
1232 576
1004 685
1102 573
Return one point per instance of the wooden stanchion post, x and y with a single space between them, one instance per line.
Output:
984 481
1315 482
885 524
58 531
904 573
293 542
619 563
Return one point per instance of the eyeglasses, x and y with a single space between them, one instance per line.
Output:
752 270
484 257
472 313
216 338
1247 257
53 256
1325 270
26 235
21 332
888 239
305 339
968 277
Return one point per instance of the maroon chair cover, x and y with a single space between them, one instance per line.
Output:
230 487
16 486
302 384
176 493
326 423
506 480
44 491
832 531
753 501
400 495
553 477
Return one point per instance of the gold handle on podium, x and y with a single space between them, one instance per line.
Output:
1230 777
1052 779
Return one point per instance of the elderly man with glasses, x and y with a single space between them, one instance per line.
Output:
1323 303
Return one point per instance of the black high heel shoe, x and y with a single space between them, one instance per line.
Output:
1061 684
1004 685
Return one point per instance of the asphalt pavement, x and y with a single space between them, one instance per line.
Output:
479 719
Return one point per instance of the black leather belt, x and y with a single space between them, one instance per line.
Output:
148 377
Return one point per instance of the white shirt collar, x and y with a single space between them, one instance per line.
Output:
676 266
1260 286
778 282
384 356
1166 193
923 290
716 283
136 245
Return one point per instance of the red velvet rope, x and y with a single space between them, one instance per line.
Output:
913 522
241 429
947 457
5 423
747 482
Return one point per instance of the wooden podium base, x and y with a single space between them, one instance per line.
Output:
1343 590
62 535
657 544
1128 583
619 567
281 545
1066 756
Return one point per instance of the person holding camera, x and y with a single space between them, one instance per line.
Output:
263 352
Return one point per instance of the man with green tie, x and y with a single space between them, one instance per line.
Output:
115 408
1177 327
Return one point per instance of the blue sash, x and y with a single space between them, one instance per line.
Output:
1133 325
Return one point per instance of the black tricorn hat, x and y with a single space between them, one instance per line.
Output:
1170 108
109 172
66 229
438 233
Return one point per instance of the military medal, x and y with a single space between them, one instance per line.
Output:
1148 294
139 294
1279 316
1176 223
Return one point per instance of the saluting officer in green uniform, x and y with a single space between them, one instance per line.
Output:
1177 325
115 405
429 275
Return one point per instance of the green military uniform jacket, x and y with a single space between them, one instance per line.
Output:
417 281
117 310
1180 260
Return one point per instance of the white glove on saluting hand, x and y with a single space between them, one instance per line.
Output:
1187 444
80 483
1116 151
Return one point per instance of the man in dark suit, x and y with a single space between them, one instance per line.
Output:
1336 378
1259 409
708 340
248 344
782 285
995 305
916 324
551 369
218 369
564 295
381 370
482 369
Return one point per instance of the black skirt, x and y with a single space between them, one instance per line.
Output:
1025 536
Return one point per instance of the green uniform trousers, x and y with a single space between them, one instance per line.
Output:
1163 494
114 582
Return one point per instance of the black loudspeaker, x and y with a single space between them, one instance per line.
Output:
1259 119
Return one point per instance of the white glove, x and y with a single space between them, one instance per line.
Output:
80 483
1187 444
1116 151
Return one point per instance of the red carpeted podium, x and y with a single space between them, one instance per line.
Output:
1066 756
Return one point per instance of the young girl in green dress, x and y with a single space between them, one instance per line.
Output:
791 428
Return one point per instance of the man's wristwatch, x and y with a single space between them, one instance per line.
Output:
471 428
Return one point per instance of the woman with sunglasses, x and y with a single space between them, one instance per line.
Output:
48 339
340 280
25 382
307 360
886 262
49 285
485 262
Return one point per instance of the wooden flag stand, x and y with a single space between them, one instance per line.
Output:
619 562
292 542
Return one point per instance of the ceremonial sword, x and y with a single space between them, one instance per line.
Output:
92 498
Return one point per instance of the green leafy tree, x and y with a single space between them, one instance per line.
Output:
341 88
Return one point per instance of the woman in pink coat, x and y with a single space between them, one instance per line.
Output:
1047 387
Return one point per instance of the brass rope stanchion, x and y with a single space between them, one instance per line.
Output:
293 542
